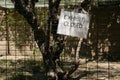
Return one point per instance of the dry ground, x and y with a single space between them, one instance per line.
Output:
30 68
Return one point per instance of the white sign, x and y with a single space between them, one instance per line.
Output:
73 24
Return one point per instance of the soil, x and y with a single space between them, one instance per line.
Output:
30 68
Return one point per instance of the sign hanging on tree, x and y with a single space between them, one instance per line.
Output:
73 24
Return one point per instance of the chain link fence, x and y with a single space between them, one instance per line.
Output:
99 54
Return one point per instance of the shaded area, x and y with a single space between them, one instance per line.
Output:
22 70
29 69
103 37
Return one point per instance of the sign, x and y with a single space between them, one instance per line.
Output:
73 24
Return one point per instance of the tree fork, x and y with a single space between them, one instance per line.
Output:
50 57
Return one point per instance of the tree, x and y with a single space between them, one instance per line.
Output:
50 53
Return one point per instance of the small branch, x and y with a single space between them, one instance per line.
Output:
73 69
78 48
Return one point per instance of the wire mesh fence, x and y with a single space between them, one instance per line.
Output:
20 58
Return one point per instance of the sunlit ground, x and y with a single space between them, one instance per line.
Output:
30 69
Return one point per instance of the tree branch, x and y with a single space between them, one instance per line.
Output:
26 8
73 69
53 12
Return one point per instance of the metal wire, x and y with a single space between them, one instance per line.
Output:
63 57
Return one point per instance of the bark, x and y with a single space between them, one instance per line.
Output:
26 8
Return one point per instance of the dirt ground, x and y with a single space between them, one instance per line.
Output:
30 68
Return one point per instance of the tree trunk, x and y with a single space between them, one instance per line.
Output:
51 54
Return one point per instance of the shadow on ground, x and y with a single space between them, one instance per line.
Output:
34 70
22 70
